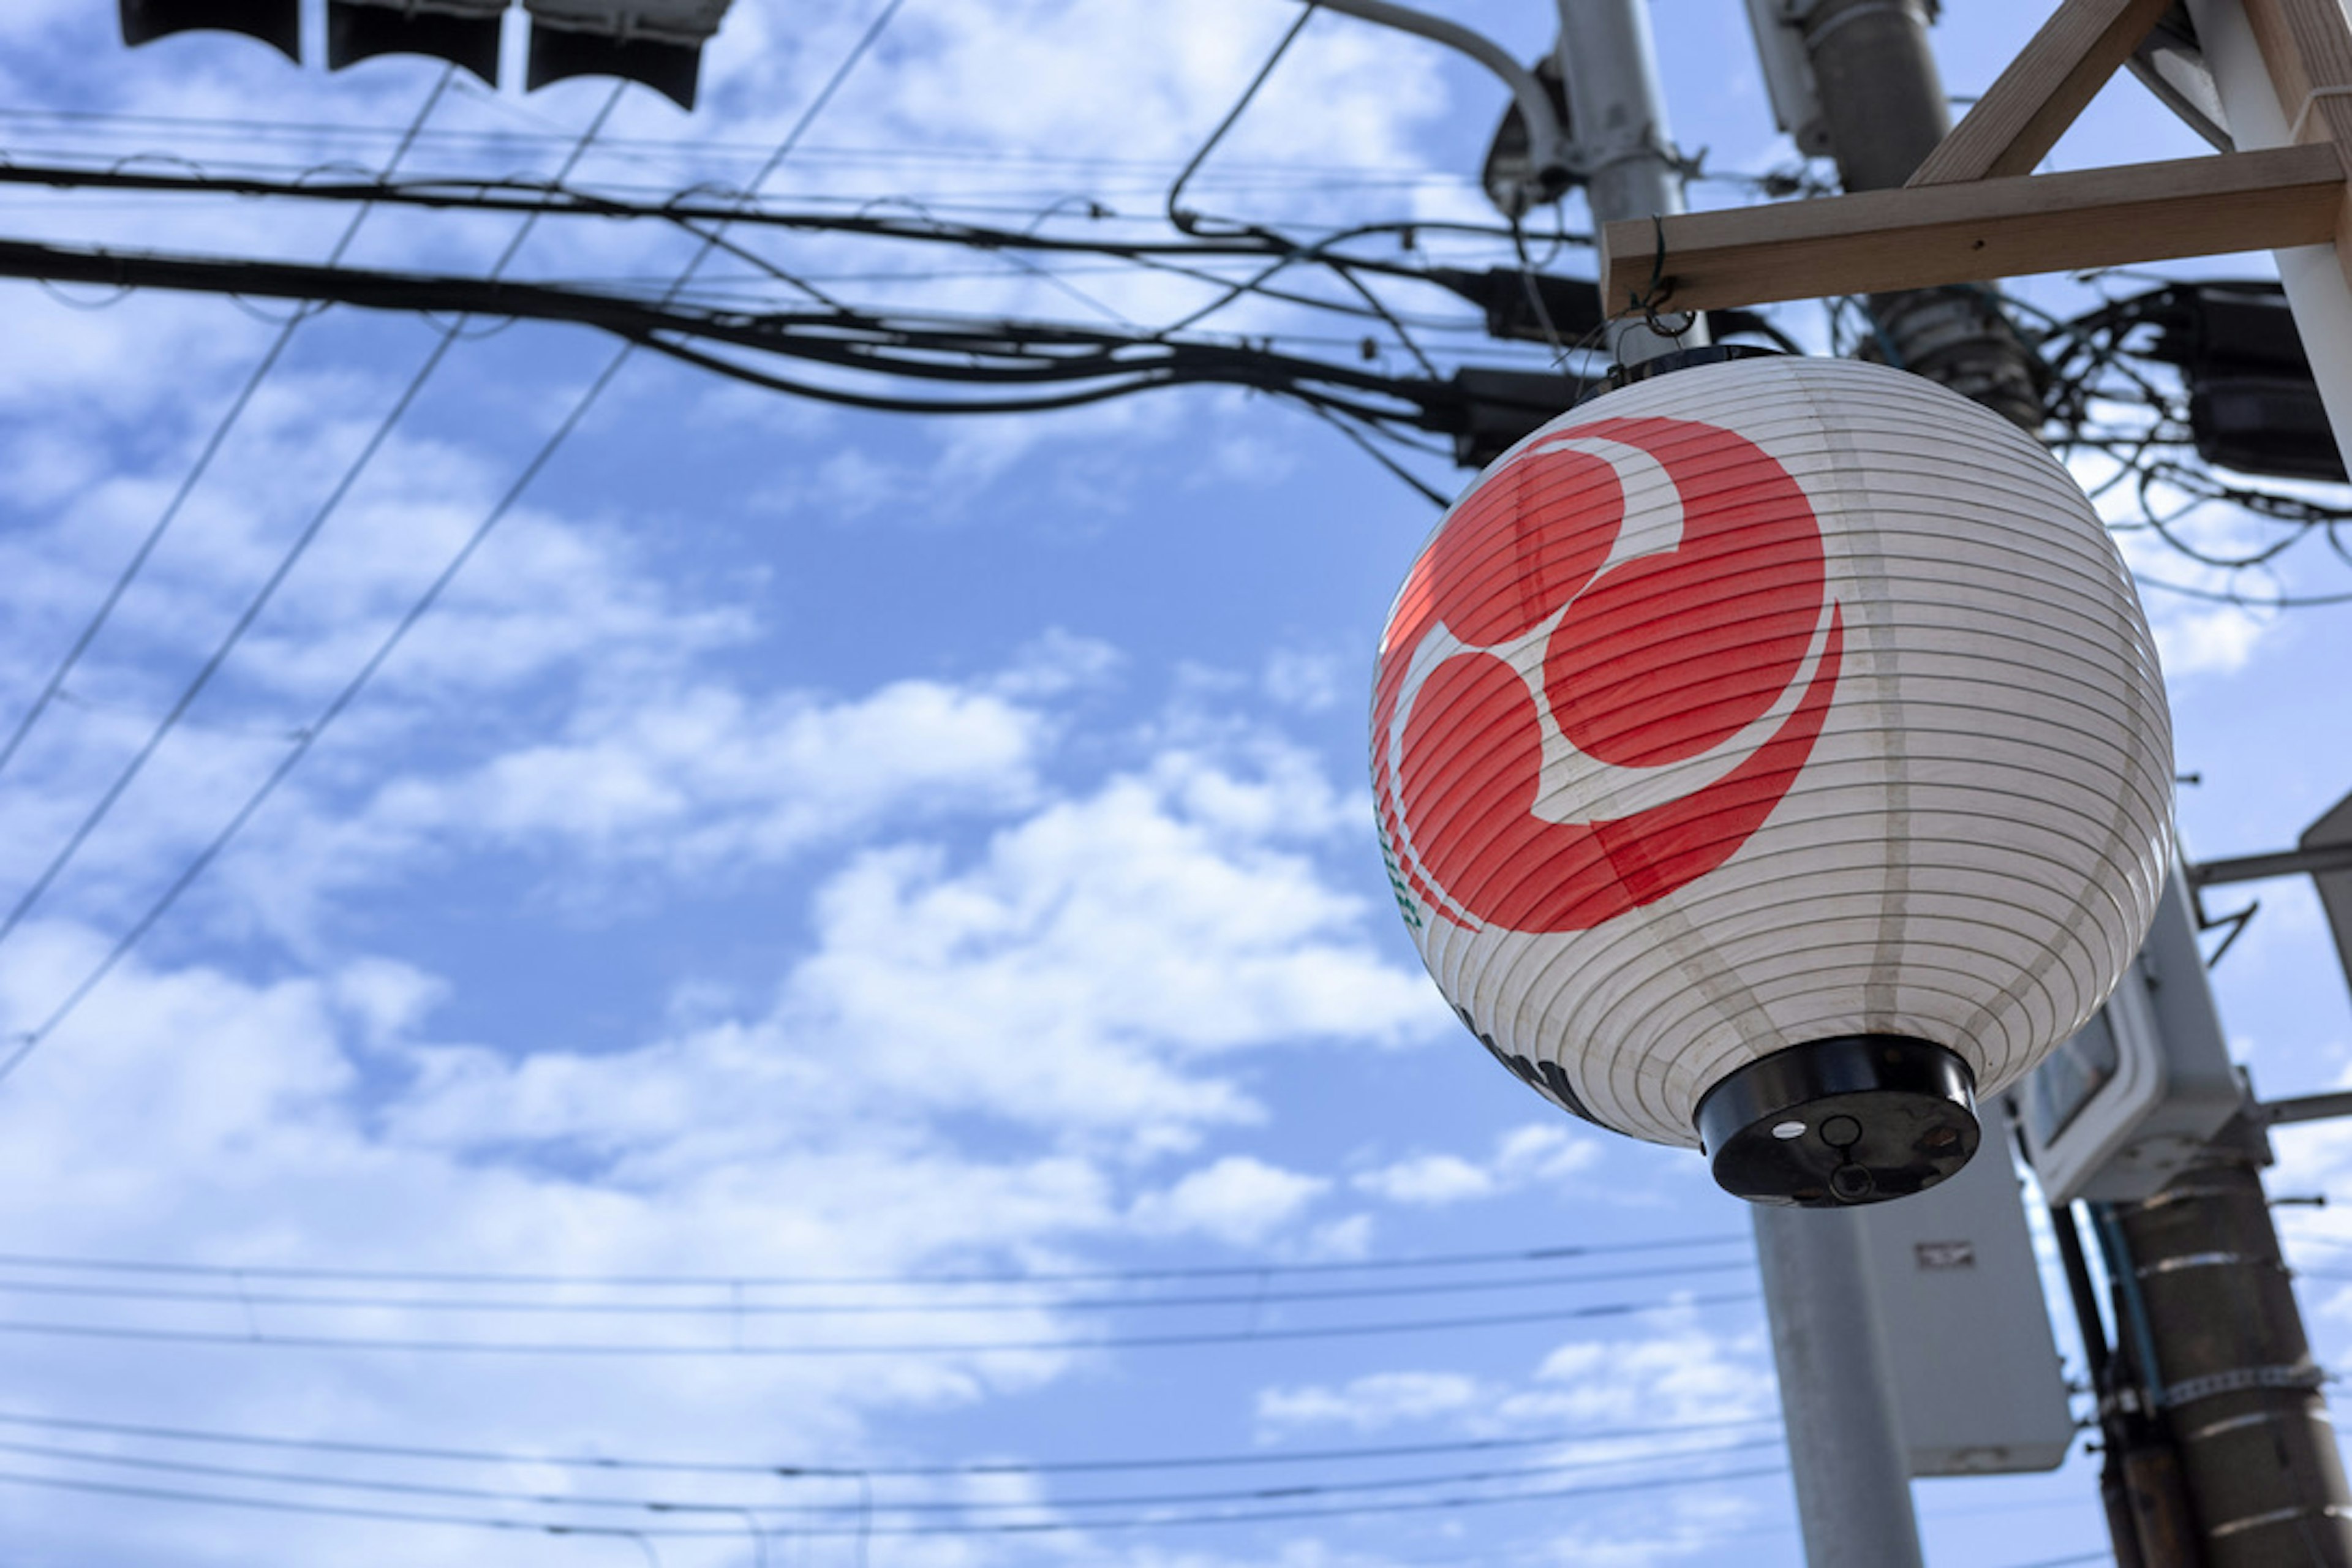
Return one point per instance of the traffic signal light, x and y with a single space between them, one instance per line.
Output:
463 32
277 23
656 42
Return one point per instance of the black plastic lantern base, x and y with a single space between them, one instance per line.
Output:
1855 1120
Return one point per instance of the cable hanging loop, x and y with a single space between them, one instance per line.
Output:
1659 289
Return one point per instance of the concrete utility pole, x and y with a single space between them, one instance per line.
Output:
1883 106
1837 1391
2225 1367
1883 109
2220 1451
1617 116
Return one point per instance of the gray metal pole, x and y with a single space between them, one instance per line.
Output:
1837 1400
1617 116
1885 112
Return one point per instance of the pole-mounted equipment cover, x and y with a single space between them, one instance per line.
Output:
1770 756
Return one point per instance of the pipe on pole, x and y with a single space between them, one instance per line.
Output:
1609 62
1548 141
1883 100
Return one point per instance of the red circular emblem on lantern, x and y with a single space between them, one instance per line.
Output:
1604 671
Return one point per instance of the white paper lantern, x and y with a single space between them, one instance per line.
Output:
1774 706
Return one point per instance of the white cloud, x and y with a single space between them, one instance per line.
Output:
2215 641
1085 971
1239 1200
1540 1155
1430 1179
1306 681
1678 1373
704 776
1370 1403
1682 1373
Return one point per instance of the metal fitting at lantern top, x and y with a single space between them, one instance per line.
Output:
1855 1120
1624 376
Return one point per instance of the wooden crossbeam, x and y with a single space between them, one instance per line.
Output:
1974 212
2013 126
1923 236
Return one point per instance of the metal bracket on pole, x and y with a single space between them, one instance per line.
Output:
2302 1107
1552 157
2313 860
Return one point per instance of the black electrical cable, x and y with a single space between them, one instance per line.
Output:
555 199
210 449
1251 1459
996 353
122 946
1427 492
262 596
864 1308
1139 1522
1549 1254
1182 217
253 1337
961 1507
248 132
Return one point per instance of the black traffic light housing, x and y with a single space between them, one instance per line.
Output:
658 43
277 23
466 35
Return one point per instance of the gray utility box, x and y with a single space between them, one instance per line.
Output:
1978 1384
2122 1108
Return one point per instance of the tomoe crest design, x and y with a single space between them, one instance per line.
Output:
1600 677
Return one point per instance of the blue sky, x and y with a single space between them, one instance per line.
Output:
815 844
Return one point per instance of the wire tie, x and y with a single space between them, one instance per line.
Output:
1649 298
2295 132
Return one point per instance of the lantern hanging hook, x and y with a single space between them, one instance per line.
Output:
1659 289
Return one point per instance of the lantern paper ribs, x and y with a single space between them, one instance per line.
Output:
1766 703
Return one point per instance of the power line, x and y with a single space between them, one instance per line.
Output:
739 1308
1026 1277
351 690
211 449
254 1338
1255 1459
244 131
1138 1521
964 1507
260 600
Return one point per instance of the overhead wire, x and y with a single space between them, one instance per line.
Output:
740 1308
1154 1520
255 1337
261 598
32 1039
246 131
211 449
1269 1270
1183 217
964 1507
1255 1459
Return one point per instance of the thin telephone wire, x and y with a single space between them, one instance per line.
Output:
268 590
213 444
34 1039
